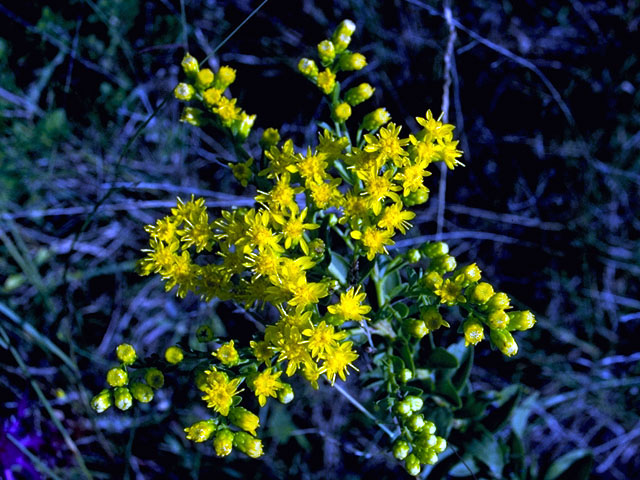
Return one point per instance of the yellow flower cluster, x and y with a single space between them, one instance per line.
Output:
208 90
485 306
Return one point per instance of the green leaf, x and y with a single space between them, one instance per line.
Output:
402 310
508 399
485 448
440 358
460 377
339 267
390 284
442 418
472 407
446 390
574 465
521 414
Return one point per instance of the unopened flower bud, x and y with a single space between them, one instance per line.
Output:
126 353
154 378
192 116
413 255
248 444
270 138
244 419
184 92
503 340
326 52
173 355
416 328
412 464
352 61
122 398
141 392
432 280
356 95
481 293
227 354
285 394
117 377
433 319
204 79
415 402
308 68
225 77
402 408
416 422
473 331
498 319
435 249
405 375
190 65
471 273
521 320
441 445
200 431
223 442
499 301
374 120
401 449
102 401
326 81
444 263
342 112
429 428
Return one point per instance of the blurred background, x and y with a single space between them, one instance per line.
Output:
546 100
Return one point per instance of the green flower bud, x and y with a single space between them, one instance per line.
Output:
192 116
412 464
376 119
126 353
317 248
326 52
432 280
204 79
481 293
503 340
201 431
413 255
429 427
204 333
498 319
402 408
356 95
285 394
401 449
405 375
352 61
433 319
521 320
473 331
416 403
102 401
225 77
141 392
223 442
472 274
190 65
416 328
341 112
154 378
174 355
270 138
418 197
308 68
499 301
425 439
416 422
184 92
342 35
435 249
244 419
122 398
346 27
241 127
117 377
444 263
248 444
441 445
427 455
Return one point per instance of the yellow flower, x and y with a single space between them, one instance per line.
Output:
264 263
354 208
448 153
282 196
326 81
220 391
374 240
242 171
262 351
394 217
311 371
280 160
450 293
266 384
305 293
227 110
434 129
322 338
165 229
377 188
330 145
387 144
338 360
227 354
412 177
350 306
292 270
293 229
258 233
325 194
311 167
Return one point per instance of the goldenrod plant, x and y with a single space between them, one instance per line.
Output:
313 265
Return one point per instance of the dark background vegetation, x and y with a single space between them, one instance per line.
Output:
546 98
